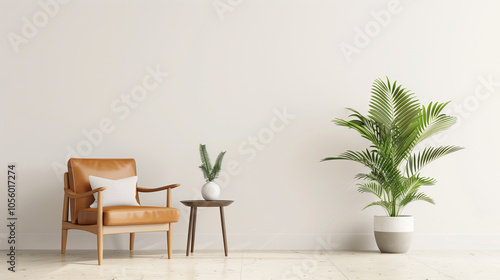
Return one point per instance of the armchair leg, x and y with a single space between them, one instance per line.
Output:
169 240
99 225
64 237
132 239
100 248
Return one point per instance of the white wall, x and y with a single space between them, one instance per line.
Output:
231 74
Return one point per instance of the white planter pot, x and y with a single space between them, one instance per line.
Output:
393 234
210 191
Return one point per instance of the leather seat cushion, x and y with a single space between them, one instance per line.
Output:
129 215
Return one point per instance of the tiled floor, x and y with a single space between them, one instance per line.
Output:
342 265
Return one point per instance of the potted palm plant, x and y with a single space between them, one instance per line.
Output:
395 124
210 190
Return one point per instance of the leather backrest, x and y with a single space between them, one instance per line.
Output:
79 170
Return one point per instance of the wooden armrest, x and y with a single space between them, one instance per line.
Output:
168 188
72 194
139 189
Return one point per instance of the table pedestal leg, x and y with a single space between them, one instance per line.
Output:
189 230
223 229
194 228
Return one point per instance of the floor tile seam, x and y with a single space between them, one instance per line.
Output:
431 267
326 255
486 253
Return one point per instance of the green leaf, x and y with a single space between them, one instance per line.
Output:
372 187
217 166
384 204
430 121
414 197
205 159
206 173
417 161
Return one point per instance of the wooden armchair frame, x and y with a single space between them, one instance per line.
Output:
100 230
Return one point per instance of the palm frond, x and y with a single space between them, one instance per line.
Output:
364 157
205 159
364 129
415 197
430 121
206 172
417 161
384 204
412 184
372 187
366 176
382 103
217 165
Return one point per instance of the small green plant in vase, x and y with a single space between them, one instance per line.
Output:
210 191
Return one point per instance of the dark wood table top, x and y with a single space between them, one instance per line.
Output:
207 203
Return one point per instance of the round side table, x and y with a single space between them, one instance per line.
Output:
194 204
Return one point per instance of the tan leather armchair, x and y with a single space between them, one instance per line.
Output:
78 196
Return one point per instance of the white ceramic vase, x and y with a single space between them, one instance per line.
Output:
210 191
393 234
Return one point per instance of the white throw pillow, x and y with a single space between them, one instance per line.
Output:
117 193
